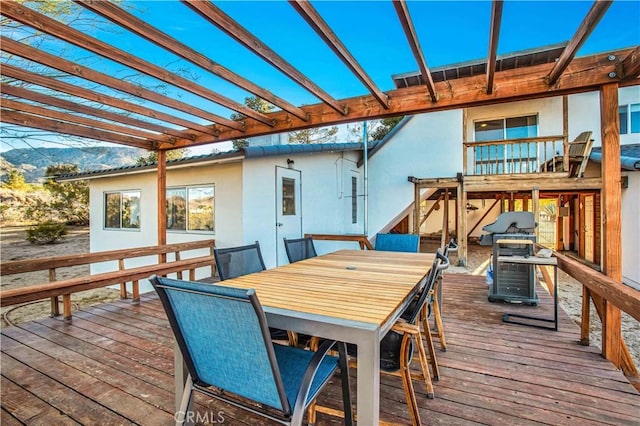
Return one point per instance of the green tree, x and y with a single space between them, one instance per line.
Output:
174 154
256 104
384 127
15 180
68 202
314 135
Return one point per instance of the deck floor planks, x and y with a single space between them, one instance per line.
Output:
493 373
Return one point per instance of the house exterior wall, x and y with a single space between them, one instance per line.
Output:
227 181
631 230
326 198
428 145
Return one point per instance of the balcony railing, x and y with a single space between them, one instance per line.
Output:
516 156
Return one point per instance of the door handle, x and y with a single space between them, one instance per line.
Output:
279 224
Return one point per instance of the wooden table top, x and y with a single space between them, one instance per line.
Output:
358 285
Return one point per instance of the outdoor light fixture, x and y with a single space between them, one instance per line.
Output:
290 163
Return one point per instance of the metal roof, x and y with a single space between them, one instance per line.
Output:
243 153
509 61
629 156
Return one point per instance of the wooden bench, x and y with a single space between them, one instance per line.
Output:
54 288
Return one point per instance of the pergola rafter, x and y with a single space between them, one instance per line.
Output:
315 21
494 35
72 68
126 20
217 17
24 15
21 92
568 75
407 25
589 23
80 92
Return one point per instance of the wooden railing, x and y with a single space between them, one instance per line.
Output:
65 288
362 240
516 156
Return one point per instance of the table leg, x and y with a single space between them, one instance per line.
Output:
368 402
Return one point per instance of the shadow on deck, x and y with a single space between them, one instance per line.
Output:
114 365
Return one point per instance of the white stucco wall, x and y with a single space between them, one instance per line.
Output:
324 198
227 180
631 230
428 145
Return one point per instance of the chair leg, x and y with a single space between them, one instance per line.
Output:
424 364
182 416
432 351
346 386
407 383
439 326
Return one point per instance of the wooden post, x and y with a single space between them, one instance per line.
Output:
525 203
464 142
55 307
445 220
565 133
559 225
611 216
416 209
162 202
585 322
123 285
535 196
462 225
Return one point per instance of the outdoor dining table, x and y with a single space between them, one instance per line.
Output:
354 296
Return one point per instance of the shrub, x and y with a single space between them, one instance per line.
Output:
46 233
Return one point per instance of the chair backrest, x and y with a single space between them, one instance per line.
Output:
440 263
237 261
451 246
579 146
398 242
224 338
299 249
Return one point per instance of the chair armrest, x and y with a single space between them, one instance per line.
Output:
309 374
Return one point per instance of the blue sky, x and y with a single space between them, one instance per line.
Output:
449 32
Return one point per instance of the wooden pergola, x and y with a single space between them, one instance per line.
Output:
115 123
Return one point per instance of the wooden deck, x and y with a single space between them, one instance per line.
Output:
113 365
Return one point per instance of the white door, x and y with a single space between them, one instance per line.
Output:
288 209
588 228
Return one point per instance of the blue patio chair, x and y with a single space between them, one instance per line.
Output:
223 336
234 262
398 242
299 249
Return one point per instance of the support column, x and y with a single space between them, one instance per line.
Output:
416 210
462 225
162 202
611 216
535 198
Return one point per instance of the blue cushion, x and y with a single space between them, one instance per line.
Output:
398 242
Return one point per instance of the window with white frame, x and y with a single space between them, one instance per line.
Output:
629 118
499 158
122 210
191 208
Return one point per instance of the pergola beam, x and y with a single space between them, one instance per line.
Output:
27 16
589 23
80 92
44 58
320 26
517 84
496 18
41 123
75 119
126 20
630 66
407 25
217 17
21 92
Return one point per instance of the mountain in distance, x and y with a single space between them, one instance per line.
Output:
33 162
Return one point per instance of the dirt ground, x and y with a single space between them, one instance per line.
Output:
15 247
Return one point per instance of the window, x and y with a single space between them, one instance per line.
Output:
191 208
122 210
629 118
354 199
288 196
503 158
